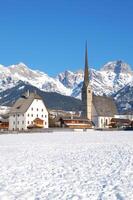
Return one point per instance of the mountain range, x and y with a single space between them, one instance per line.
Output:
113 79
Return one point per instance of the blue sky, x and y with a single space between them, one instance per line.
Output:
50 35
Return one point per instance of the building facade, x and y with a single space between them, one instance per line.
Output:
26 110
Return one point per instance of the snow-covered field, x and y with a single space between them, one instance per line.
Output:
71 165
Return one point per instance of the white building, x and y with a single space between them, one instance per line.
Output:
125 116
26 110
98 109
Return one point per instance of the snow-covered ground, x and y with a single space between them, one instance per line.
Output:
71 165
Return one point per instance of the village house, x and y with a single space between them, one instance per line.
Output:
76 123
29 111
4 123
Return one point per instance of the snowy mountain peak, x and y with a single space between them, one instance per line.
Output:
2 69
107 81
117 67
71 79
20 66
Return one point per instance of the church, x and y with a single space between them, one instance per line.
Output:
98 109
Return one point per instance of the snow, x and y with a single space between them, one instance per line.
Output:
67 165
20 88
4 110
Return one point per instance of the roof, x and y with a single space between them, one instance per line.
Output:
23 103
105 106
76 119
38 119
3 119
118 120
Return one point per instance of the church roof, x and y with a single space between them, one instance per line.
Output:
23 103
104 106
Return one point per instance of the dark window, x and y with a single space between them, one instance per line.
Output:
18 115
28 115
18 107
37 109
42 115
28 122
42 110
31 115
45 116
31 108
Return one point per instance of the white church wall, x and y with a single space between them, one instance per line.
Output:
103 122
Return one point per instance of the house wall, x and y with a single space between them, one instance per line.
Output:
37 110
20 121
17 122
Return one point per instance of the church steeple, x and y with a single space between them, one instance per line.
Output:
86 91
86 72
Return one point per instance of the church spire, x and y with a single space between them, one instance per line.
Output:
86 72
86 91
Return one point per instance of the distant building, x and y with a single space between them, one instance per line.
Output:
4 117
28 111
125 116
75 123
4 123
98 109
120 123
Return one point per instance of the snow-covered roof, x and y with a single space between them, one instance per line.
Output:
23 103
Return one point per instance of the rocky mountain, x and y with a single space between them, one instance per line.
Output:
124 99
52 100
71 79
107 81
112 77
110 80
9 76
